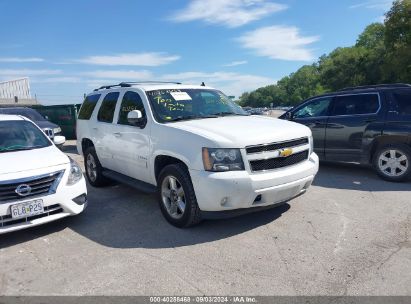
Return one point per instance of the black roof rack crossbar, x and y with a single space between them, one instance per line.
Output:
377 86
129 84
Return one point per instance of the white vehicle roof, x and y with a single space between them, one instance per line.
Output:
6 117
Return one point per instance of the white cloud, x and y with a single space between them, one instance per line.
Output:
279 42
231 13
28 72
64 79
235 63
230 83
374 4
120 74
132 59
21 59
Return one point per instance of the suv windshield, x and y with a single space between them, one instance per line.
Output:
26 112
16 135
186 104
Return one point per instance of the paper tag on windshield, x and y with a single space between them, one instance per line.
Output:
179 96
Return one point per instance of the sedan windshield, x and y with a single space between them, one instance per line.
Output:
16 135
186 104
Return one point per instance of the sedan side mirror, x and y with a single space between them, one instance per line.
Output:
59 140
136 118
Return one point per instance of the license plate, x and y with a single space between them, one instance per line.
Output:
27 209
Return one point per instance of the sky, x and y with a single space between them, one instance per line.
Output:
69 48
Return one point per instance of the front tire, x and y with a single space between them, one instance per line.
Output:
178 202
94 170
393 162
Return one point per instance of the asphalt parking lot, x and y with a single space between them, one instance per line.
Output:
348 235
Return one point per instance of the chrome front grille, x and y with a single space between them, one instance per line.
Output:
39 185
7 220
49 132
278 162
277 146
277 155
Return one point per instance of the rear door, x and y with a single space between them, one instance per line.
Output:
103 130
351 126
314 114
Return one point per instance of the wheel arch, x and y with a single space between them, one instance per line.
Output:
163 160
85 144
387 140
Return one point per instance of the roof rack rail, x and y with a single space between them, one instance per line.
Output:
130 83
377 86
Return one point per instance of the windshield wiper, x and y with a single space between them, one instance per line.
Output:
18 148
229 113
188 117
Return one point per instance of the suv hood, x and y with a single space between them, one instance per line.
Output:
21 161
242 131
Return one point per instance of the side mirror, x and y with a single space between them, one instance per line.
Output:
59 140
135 118
289 116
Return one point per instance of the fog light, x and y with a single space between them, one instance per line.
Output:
80 200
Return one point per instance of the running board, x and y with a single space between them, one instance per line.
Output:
129 181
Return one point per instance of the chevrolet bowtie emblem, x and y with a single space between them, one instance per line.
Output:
286 152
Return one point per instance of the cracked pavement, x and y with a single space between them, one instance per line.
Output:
348 235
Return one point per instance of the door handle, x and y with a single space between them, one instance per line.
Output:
117 134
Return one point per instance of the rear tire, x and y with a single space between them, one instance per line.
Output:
94 170
393 162
177 199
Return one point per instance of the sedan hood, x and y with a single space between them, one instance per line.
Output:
242 131
20 161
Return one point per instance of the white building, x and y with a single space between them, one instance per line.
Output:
16 92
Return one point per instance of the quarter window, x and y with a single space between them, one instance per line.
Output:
315 108
88 106
106 112
131 101
356 104
402 102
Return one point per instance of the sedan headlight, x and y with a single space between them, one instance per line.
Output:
75 173
222 160
57 130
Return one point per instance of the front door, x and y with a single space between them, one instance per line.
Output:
313 114
131 152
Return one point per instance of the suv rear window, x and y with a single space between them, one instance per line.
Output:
106 112
402 102
356 104
88 106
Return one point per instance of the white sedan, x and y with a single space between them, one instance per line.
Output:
38 182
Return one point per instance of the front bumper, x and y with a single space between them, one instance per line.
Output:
67 201
222 191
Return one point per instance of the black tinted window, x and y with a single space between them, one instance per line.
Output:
88 106
402 102
131 101
315 108
106 112
356 104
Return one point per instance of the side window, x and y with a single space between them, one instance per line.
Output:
106 112
131 101
401 103
356 104
316 108
88 106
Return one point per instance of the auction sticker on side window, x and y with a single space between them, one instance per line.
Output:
179 96
27 209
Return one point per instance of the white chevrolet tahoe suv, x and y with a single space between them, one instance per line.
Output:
38 182
206 157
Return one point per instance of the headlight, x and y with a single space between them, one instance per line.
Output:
222 160
75 173
311 140
56 130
